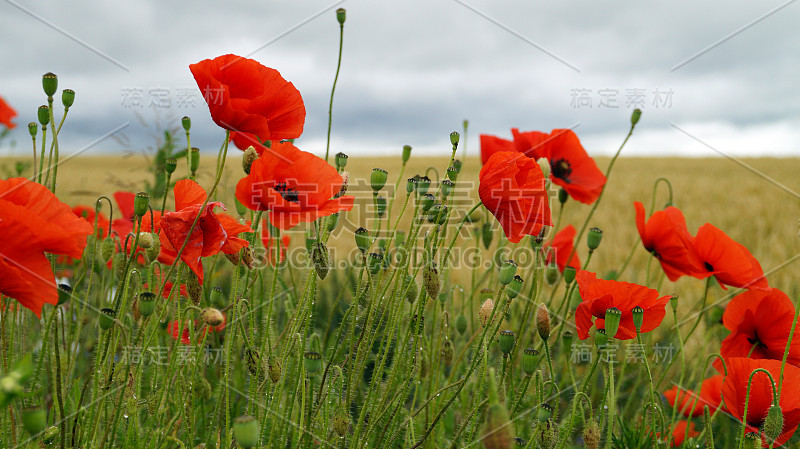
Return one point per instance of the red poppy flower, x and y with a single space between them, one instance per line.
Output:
294 185
598 295
734 392
33 221
267 240
88 214
491 145
679 432
729 261
212 234
7 113
174 328
245 96
512 188
165 293
760 322
561 247
665 235
710 394
570 166
123 225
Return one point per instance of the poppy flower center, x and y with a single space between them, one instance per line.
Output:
561 169
708 266
288 193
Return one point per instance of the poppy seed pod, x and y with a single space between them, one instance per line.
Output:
380 205
514 287
67 98
49 83
406 153
635 116
551 273
600 338
638 318
106 318
212 316
506 341
485 311
171 165
427 202
33 128
569 274
411 185
374 263
752 440
452 173
362 239
43 114
64 293
563 196
313 362
543 322
613 317
218 297
773 423
423 184
194 159
507 271
141 202
457 164
430 277
146 303
461 324
378 179
454 138
341 161
447 187
529 360
673 302
186 122
246 431
250 155
594 238
486 235
341 15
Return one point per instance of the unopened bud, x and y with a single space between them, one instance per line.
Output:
563 195
194 288
461 324
273 369
34 419
341 422
406 153
212 317
543 322
321 258
773 423
486 311
591 435
250 155
447 352
410 286
50 435
107 249
486 234
430 277
146 240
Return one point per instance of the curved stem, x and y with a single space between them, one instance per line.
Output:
333 89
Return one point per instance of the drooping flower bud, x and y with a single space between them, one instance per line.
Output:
506 341
155 247
485 311
378 179
341 161
50 435
106 319
447 352
246 431
186 122
638 318
461 324
313 362
49 83
141 202
321 258
67 98
594 238
406 153
530 358
430 277
273 369
250 155
507 271
146 240
613 317
107 249
543 322
514 287
591 435
773 423
341 422
212 317
362 239
193 287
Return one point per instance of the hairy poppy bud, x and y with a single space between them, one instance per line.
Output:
194 159
406 153
146 303
380 205
321 258
423 184
461 324
378 178
591 435
171 165
569 274
34 419
246 431
551 273
773 423
313 362
454 137
486 234
341 161
106 319
145 240
250 155
635 116
186 122
543 322
341 422
140 204
485 311
50 435
362 239
594 238
49 83
194 288
506 341
507 271
563 196
67 98
155 247
64 293
374 261
33 128
430 277
212 316
638 318
107 249
514 287
273 369
44 115
447 352
333 221
341 15
613 317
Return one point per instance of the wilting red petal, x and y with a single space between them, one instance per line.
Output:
728 260
512 189
491 145
561 247
245 96
665 235
7 114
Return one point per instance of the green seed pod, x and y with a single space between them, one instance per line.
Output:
461 324
673 302
333 221
530 358
594 238
64 293
457 164
563 196
430 277
591 435
454 138
321 258
411 185
194 159
635 116
154 249
427 202
141 202
514 287
447 352
362 239
506 341
447 187
218 297
507 271
551 273
50 435
452 173
250 155
773 423
600 338
569 274
374 262
34 419
378 179
486 235
638 318
543 322
49 83
106 319
341 161
33 128
752 441
341 15
146 303
380 205
567 338
520 442
186 122
406 153
246 431
423 184
313 362
171 165
44 115
438 214
67 98
613 317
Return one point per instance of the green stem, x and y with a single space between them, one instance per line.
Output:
333 89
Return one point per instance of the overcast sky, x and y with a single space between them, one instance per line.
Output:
711 77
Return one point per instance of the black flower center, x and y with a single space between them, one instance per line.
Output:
288 193
561 169
708 266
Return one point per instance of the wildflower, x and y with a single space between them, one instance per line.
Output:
174 329
7 114
491 145
709 395
559 249
665 235
730 262
679 432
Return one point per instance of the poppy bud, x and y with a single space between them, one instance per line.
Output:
507 271
410 286
146 303
773 423
638 318
341 15
378 178
563 196
486 235
374 263
411 185
447 187
107 249
341 161
452 173
406 153
362 239
551 273
569 274
145 240
194 288
544 165
447 352
485 311
380 205
461 324
64 293
543 322
506 341
50 435
591 435
33 128
635 116
140 204
106 319
613 317
155 247
273 369
430 277
530 358
186 122
250 155
333 221
246 431
44 115
438 214
194 159
454 137
600 337
594 238
427 201
514 287
423 184
212 316
49 83
321 258
67 98
341 422
313 362
34 420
